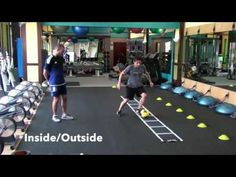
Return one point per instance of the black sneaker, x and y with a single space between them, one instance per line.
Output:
118 113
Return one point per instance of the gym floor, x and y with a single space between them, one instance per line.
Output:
94 111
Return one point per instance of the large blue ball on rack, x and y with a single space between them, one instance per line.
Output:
80 31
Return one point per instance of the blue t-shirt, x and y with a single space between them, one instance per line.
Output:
135 75
54 65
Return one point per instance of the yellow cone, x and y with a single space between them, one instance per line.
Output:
144 113
179 110
202 125
223 137
190 117
114 86
159 99
168 104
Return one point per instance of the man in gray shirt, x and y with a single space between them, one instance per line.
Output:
134 84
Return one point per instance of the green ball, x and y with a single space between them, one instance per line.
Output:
118 30
156 30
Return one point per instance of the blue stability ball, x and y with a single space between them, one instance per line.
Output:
206 101
80 31
165 86
225 108
190 94
179 90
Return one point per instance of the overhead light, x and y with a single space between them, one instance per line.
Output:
145 37
44 37
176 38
145 40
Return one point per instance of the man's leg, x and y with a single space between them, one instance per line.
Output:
54 109
142 100
123 103
55 104
129 96
64 104
65 115
142 92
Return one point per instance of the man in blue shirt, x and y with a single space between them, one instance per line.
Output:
53 73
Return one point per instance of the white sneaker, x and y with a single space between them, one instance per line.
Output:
233 115
67 117
55 118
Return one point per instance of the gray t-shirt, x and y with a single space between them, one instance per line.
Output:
135 75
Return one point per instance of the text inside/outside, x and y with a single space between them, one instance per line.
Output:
63 137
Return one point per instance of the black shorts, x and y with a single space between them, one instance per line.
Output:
131 92
58 90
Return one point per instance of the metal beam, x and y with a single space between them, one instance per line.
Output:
180 53
169 25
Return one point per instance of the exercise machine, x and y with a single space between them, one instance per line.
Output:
152 63
8 125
